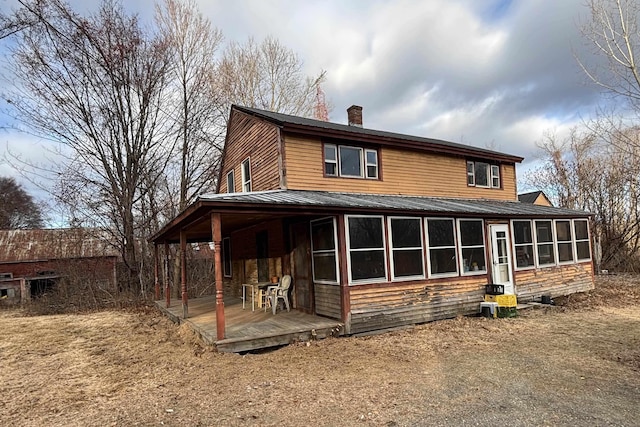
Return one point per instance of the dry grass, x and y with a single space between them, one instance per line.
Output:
576 364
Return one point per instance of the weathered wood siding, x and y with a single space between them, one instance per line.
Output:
410 303
258 140
554 281
403 172
327 300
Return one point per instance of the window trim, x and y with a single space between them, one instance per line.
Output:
232 188
226 255
361 158
460 247
335 250
471 174
494 171
575 240
335 162
367 164
246 181
495 176
349 250
431 275
364 164
533 244
391 249
571 241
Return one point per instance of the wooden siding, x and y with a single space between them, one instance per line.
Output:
258 140
554 281
403 172
327 300
410 303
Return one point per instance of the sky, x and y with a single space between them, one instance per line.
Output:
495 74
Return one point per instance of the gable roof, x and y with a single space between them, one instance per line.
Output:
335 130
531 197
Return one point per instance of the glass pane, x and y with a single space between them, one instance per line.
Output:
443 260
407 263
231 185
545 254
330 169
350 161
226 254
482 174
440 232
405 233
330 152
324 267
367 265
583 250
522 232
543 231
563 231
247 170
581 230
495 176
471 233
372 157
565 252
524 256
365 232
322 235
473 259
372 171
469 167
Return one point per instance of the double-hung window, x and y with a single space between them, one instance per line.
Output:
330 160
581 234
231 182
351 162
523 244
544 242
371 163
564 241
246 176
472 251
366 248
324 251
442 247
483 174
406 248
226 256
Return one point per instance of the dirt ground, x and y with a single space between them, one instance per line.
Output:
574 364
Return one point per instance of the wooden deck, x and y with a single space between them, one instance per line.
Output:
250 330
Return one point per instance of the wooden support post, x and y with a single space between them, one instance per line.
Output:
156 267
345 297
167 288
216 233
183 273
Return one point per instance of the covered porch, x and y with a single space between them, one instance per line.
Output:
249 330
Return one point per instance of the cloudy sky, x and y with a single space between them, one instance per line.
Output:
494 73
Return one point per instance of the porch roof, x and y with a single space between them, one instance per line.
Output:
253 207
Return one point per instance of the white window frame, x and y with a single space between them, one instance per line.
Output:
495 175
226 254
332 161
392 249
361 150
335 251
246 182
576 241
552 243
349 250
367 164
571 241
471 174
533 243
232 188
460 247
455 247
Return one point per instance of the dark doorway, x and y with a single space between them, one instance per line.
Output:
301 266
262 254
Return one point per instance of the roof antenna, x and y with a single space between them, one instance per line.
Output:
320 111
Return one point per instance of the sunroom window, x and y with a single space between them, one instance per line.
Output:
581 234
564 243
365 244
442 247
472 250
544 240
523 243
406 248
324 251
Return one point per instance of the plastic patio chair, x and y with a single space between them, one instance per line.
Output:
281 291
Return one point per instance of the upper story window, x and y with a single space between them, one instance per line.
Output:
246 176
350 162
231 182
483 174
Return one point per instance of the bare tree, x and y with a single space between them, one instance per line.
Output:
267 76
17 207
97 85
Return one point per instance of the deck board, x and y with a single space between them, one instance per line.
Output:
250 330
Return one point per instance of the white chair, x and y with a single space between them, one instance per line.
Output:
281 291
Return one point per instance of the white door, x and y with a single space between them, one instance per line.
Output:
501 257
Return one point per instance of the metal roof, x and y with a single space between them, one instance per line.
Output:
374 202
282 119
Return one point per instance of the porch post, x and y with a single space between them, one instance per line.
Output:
345 298
183 271
167 290
216 233
155 271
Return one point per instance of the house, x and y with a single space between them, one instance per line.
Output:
535 197
377 229
33 261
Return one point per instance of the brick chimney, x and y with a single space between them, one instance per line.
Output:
354 114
